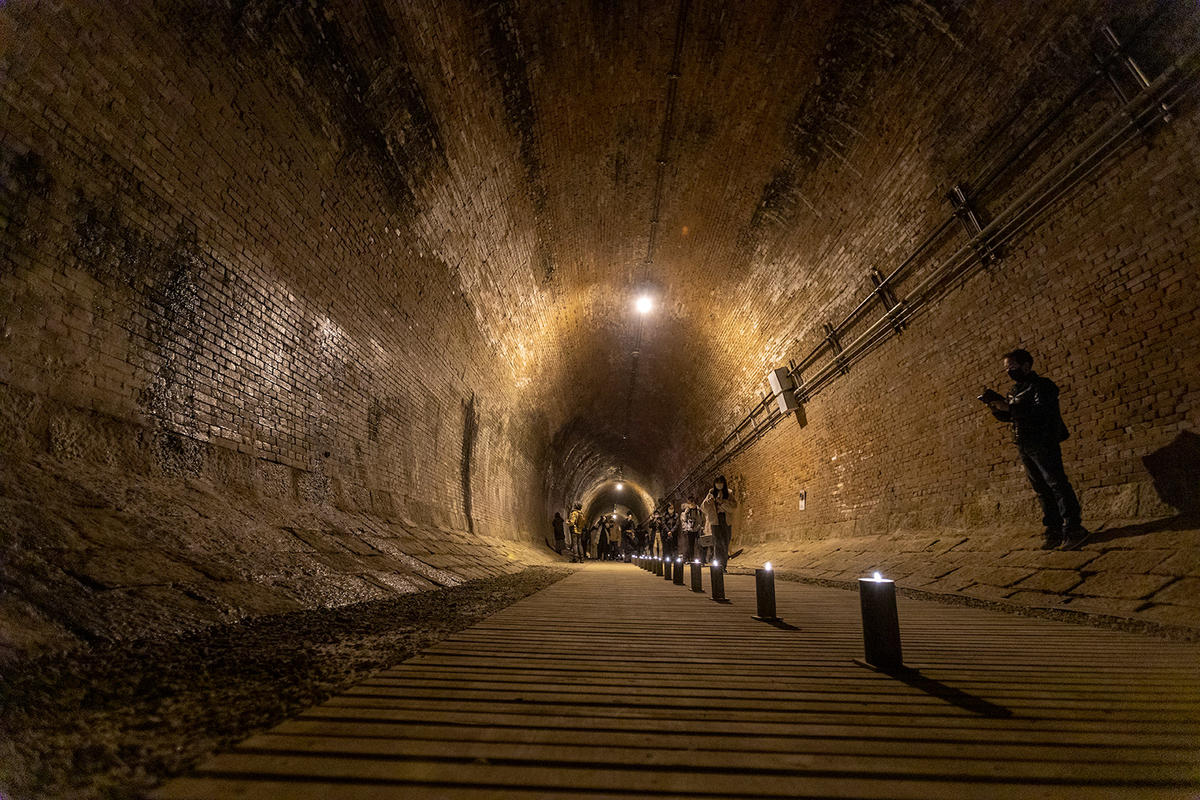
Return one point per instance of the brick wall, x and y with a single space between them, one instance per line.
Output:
1100 291
900 464
209 231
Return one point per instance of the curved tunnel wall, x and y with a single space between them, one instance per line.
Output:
241 249
898 464
283 279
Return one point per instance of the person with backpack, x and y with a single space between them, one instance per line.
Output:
718 508
576 523
691 524
626 537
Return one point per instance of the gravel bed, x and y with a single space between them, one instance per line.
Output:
115 720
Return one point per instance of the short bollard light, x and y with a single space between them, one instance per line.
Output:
764 584
881 623
628 558
667 565
658 567
716 577
678 570
697 576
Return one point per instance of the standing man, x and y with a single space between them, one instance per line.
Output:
576 522
1038 431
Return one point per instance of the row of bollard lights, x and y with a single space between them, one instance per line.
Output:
877 599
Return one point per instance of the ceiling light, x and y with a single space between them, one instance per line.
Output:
645 304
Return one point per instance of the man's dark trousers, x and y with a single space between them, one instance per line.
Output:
1044 466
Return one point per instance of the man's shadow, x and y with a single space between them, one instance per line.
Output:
1175 470
1180 522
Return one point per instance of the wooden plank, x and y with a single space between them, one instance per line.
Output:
616 683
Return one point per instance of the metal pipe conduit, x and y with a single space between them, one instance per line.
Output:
1022 209
1122 126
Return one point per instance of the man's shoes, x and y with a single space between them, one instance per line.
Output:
1074 537
1052 539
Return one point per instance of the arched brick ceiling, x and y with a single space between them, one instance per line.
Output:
539 190
518 143
511 151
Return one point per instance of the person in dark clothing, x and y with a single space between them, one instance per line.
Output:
602 539
588 534
560 535
670 533
1038 431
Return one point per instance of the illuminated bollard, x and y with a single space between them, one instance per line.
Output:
678 570
881 623
629 558
668 564
764 584
697 577
658 567
716 577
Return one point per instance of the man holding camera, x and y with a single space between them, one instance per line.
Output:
1038 431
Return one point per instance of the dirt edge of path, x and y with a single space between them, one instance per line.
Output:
117 719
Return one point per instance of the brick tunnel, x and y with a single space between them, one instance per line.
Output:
315 313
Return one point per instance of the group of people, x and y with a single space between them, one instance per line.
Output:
574 536
703 530
694 531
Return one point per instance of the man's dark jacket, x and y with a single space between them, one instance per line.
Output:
1033 411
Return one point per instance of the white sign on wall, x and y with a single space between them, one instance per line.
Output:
803 497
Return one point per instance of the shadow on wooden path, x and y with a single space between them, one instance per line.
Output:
614 682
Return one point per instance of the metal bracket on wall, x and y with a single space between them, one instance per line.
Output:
798 380
970 222
1131 66
835 346
886 296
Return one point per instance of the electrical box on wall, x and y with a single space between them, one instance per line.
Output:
803 498
783 388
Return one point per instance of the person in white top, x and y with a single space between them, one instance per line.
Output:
718 506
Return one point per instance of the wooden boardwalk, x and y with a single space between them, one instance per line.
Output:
614 682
